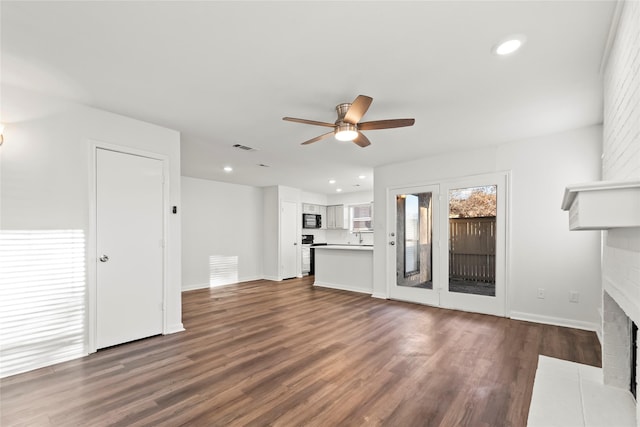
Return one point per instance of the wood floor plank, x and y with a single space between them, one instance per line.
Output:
288 354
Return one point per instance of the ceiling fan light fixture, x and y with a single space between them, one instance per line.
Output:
346 132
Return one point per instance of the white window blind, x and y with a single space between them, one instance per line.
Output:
42 298
223 270
361 217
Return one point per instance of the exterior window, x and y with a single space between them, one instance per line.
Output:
361 218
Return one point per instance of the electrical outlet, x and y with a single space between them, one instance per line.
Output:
541 293
574 296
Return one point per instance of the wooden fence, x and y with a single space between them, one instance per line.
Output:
472 249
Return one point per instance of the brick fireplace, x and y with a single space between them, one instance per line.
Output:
620 308
618 354
621 162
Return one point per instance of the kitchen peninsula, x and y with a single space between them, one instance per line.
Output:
346 267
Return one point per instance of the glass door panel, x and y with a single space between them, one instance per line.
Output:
472 240
412 244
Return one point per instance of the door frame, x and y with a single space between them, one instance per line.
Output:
442 228
91 248
470 302
297 244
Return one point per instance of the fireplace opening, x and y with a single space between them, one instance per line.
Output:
634 359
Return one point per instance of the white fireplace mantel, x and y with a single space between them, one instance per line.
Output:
602 205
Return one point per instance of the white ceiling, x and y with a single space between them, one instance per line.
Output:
225 73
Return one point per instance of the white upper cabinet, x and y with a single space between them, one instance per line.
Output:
337 217
310 209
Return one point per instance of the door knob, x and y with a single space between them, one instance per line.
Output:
392 243
104 258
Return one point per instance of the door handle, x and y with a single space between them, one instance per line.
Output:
104 258
295 243
392 243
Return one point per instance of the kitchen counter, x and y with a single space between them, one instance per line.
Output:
346 247
346 267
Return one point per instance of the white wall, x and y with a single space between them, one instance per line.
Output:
220 219
313 198
45 170
271 233
541 251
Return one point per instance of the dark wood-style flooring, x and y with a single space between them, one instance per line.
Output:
288 354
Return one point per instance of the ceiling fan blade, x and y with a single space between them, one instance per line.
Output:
386 124
309 122
358 108
318 138
361 140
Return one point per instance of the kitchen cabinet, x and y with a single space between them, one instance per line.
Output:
310 208
346 267
337 217
306 259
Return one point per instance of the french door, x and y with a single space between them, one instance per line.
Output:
447 244
413 244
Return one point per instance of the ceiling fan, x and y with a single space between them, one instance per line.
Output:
347 127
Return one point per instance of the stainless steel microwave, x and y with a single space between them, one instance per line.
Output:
311 221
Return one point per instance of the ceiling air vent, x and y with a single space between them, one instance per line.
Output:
243 147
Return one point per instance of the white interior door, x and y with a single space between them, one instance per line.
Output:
413 242
129 247
289 237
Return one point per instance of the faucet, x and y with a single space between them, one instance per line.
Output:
360 239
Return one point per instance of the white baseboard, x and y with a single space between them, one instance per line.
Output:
194 286
172 329
556 321
272 278
378 295
250 279
342 288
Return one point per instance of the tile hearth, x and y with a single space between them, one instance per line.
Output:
570 394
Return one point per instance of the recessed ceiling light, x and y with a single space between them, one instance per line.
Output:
361 176
228 169
509 45
332 181
338 190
